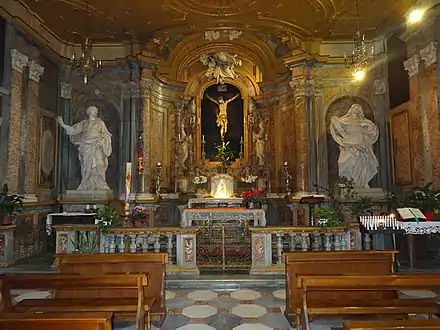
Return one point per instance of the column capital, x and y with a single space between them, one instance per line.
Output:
412 65
380 86
19 60
35 71
429 54
66 90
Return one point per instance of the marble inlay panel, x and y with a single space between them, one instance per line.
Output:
32 137
302 148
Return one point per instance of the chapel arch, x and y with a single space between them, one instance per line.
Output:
338 108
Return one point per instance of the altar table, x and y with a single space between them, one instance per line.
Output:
258 216
49 221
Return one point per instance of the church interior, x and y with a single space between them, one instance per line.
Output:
219 164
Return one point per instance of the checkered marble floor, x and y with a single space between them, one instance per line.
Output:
245 309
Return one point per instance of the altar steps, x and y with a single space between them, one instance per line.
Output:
226 282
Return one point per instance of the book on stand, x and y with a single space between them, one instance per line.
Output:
408 213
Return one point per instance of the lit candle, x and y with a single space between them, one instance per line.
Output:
158 164
241 139
94 207
285 164
87 207
203 138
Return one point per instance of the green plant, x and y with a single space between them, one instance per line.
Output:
107 218
424 198
360 206
329 215
87 242
343 189
224 154
10 204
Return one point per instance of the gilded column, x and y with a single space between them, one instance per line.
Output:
35 72
19 61
300 96
412 66
428 55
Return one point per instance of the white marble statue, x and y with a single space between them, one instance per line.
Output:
94 147
260 143
355 135
220 65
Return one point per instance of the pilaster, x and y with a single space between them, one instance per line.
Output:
63 156
146 116
33 109
19 61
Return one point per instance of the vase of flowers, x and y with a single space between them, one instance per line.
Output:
253 198
107 218
140 217
200 181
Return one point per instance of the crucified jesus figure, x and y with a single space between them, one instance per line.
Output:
222 113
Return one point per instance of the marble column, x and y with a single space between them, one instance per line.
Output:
428 56
318 174
19 61
300 95
63 155
33 110
146 94
412 66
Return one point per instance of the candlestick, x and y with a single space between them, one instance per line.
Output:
203 138
241 140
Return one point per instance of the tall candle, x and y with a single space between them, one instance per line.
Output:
241 139
203 138
285 164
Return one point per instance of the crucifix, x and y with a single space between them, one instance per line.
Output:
222 113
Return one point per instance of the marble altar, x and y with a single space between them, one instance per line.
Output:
189 216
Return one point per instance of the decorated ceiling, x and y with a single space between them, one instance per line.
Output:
126 20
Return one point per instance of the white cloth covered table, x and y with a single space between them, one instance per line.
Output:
258 216
421 228
214 201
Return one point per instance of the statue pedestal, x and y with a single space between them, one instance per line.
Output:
374 193
89 195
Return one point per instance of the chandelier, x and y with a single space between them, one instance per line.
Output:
87 66
361 59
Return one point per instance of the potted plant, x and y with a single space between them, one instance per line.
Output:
140 217
253 198
87 243
424 198
361 206
328 216
10 205
224 155
107 218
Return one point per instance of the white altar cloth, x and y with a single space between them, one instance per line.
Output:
421 228
214 201
64 214
258 216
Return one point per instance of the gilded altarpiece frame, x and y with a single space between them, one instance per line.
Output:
401 149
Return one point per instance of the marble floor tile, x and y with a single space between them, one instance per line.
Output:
252 326
196 327
170 295
280 294
224 321
249 310
269 302
274 320
199 311
245 294
179 303
223 303
174 321
202 295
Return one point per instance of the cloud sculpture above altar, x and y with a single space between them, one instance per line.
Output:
94 143
355 135
220 65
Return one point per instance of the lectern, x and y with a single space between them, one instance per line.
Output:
312 201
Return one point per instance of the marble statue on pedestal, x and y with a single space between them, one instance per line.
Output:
94 147
355 136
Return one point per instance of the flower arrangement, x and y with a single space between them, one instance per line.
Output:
139 212
107 218
140 216
200 179
249 179
253 196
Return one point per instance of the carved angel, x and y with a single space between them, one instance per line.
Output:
220 65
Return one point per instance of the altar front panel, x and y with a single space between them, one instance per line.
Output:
189 216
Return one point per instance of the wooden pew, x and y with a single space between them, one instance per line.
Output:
139 306
67 321
361 283
413 324
332 263
119 263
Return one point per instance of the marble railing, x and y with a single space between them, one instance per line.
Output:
268 244
179 243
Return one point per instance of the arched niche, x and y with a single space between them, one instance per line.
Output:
338 108
184 60
111 117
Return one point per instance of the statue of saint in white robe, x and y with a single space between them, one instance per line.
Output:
94 147
355 135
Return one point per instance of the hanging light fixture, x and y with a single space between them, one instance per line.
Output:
361 59
87 66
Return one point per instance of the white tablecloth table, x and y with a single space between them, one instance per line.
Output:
213 214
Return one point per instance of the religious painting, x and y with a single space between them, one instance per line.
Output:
222 118
401 146
47 152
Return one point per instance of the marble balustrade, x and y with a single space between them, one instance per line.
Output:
268 244
179 243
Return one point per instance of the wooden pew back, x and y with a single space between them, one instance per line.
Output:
118 263
112 284
65 321
413 324
334 263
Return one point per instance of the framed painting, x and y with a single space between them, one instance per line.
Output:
400 132
48 137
